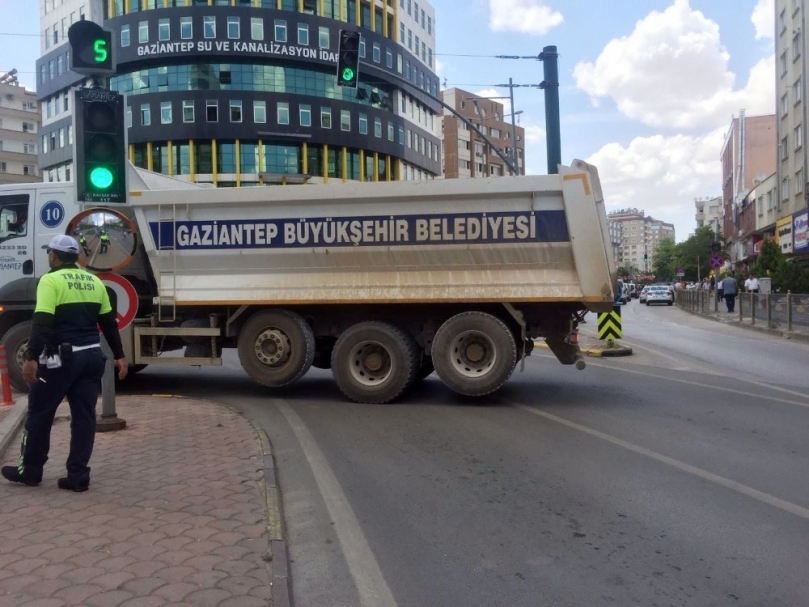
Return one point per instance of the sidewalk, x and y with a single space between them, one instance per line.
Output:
799 333
177 514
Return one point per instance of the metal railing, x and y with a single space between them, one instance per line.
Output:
774 310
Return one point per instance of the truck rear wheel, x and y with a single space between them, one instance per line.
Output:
374 362
15 341
474 353
276 347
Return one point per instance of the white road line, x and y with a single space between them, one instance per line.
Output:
704 385
703 474
371 585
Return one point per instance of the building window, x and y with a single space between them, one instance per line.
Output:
784 104
362 47
377 127
257 28
282 112
163 30
363 124
323 37
212 110
377 53
401 32
391 131
235 110
145 115
325 117
799 181
128 116
785 188
188 110
798 132
260 111
143 32
345 120
796 47
186 28
430 26
796 91
234 27
125 35
209 27
303 34
280 30
785 148
783 62
165 112
388 58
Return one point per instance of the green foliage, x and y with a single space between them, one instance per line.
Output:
786 275
665 260
769 260
622 271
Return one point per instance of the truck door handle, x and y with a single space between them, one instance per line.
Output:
28 266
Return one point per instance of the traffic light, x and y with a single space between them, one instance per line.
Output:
716 247
348 59
100 146
91 49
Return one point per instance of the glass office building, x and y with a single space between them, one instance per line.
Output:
244 92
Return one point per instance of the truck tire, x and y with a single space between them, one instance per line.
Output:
276 347
374 362
474 353
15 341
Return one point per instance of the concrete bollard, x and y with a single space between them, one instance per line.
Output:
4 379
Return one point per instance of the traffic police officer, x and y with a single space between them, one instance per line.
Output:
64 359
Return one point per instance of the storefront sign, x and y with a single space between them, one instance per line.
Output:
800 232
783 228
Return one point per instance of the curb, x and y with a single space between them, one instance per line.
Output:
11 423
595 352
278 556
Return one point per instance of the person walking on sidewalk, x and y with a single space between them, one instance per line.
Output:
729 288
64 359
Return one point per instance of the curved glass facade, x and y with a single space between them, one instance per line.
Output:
241 77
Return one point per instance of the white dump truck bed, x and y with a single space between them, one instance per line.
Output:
522 239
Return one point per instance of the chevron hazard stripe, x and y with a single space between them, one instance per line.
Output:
609 324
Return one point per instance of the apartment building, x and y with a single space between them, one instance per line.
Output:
638 236
19 124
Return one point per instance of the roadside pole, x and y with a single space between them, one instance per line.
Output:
109 420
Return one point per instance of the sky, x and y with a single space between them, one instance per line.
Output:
648 88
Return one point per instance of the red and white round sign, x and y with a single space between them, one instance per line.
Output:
126 297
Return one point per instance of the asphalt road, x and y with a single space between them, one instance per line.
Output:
676 476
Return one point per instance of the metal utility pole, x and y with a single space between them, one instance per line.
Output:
550 84
513 128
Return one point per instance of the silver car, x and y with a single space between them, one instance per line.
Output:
659 295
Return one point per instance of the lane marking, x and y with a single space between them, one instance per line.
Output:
371 586
682 466
701 384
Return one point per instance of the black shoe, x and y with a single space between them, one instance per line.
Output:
69 485
12 473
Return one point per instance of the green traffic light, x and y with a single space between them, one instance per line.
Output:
348 74
101 178
100 50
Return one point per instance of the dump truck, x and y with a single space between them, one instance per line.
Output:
383 283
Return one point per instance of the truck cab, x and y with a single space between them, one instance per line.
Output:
30 215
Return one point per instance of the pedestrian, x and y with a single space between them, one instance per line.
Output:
64 359
719 292
105 242
729 288
754 286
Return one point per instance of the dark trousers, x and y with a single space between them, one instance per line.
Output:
78 379
730 302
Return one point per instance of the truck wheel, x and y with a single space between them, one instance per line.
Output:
15 341
276 347
474 353
374 362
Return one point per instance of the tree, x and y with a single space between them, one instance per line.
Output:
697 247
769 259
665 260
622 271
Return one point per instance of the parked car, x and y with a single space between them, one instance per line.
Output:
633 290
659 295
642 294
622 292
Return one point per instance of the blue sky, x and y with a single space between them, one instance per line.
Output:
647 87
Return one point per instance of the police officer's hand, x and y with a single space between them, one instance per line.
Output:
29 371
123 367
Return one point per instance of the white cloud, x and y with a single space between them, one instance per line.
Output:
494 94
524 16
763 19
661 175
534 134
672 71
